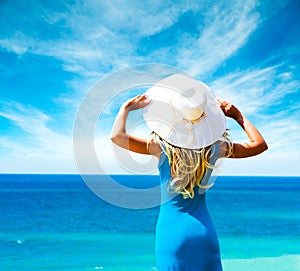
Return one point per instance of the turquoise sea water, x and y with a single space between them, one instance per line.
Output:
54 222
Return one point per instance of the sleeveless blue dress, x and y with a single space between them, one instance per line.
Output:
186 239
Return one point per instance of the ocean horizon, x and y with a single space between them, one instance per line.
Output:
55 222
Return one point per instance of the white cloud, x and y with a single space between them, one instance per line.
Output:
227 28
92 35
262 95
105 35
92 38
266 164
18 43
42 149
257 89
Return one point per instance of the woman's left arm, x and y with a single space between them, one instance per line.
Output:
119 135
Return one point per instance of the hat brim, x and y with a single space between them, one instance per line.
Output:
159 114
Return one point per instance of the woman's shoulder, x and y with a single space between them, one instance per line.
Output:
224 148
154 147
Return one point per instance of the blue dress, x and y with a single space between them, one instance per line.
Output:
186 239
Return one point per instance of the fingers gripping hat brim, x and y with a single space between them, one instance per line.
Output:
162 116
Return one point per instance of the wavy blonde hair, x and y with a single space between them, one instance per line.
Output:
188 166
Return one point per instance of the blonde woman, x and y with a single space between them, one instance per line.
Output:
189 135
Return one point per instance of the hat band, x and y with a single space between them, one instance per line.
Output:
203 116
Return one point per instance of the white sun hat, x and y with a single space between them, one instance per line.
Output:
184 112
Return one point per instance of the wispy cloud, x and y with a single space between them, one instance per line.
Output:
263 96
92 35
39 145
96 36
257 89
223 34
91 38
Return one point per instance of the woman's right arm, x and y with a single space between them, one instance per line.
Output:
256 144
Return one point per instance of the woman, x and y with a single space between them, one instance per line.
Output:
189 135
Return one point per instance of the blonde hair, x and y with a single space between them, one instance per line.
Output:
188 166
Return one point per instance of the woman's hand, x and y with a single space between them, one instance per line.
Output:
137 102
229 109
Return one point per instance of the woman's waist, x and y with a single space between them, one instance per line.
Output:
169 217
181 207
177 199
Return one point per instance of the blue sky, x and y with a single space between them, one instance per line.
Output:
53 52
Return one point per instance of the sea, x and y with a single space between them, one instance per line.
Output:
55 222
